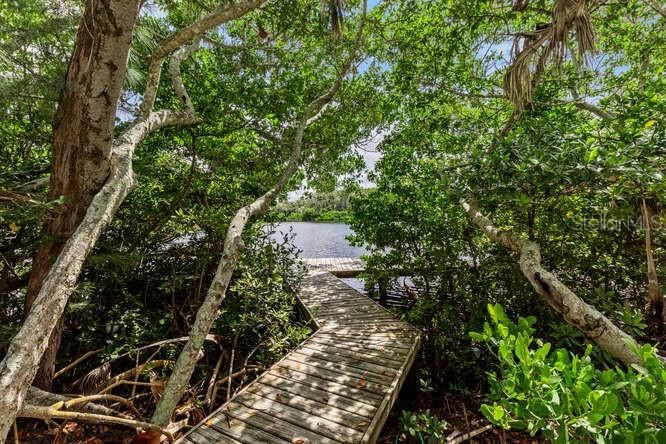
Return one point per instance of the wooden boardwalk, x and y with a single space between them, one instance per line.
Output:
339 266
338 386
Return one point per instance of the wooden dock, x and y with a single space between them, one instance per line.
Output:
338 386
339 266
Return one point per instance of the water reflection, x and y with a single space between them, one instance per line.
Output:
319 239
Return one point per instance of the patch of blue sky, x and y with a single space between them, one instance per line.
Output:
494 56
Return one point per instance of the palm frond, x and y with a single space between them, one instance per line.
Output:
547 45
147 34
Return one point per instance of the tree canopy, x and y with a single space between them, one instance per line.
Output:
521 144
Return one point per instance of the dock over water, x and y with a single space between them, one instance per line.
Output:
338 266
338 386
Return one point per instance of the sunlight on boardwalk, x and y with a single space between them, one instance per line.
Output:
339 266
337 386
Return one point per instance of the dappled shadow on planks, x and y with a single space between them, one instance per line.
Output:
337 386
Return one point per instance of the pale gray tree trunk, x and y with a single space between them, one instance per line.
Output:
19 366
233 247
82 139
586 318
24 353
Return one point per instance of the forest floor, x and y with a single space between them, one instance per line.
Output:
460 411
71 432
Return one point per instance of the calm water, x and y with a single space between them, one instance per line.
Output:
324 239
319 239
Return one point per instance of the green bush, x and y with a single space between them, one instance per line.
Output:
564 396
422 426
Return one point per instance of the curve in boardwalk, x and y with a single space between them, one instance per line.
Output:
338 386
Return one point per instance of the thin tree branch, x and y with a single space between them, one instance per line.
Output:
657 6
39 412
222 14
233 247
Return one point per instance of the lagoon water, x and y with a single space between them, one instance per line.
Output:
319 239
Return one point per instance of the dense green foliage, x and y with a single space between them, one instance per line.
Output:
572 172
318 207
559 175
149 272
565 396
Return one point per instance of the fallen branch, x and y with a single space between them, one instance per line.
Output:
48 413
241 372
68 367
126 375
126 382
457 439
87 399
39 397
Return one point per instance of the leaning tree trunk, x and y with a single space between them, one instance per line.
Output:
233 247
594 324
655 299
82 137
20 364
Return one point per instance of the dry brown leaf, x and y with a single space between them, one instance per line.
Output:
157 385
147 437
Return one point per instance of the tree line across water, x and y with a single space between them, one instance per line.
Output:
521 186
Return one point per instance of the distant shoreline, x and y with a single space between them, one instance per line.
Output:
338 216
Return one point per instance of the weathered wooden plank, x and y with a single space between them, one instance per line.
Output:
199 436
387 402
340 301
360 364
337 386
275 425
204 435
364 347
340 368
312 407
357 329
315 424
390 357
355 406
354 306
366 324
352 381
337 266
365 319
233 428
368 357
342 308
330 386
397 343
